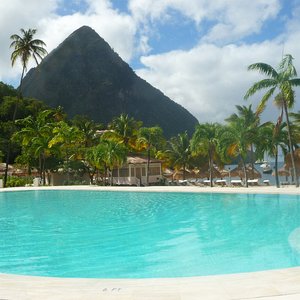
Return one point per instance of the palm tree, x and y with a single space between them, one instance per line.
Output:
88 129
113 155
35 136
205 141
236 140
68 139
180 151
272 137
251 122
150 138
296 117
125 129
295 127
94 156
24 47
282 80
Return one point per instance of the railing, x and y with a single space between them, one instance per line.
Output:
135 181
126 181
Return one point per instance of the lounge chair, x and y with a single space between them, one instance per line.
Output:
236 182
191 182
206 182
221 182
266 182
198 182
252 181
182 182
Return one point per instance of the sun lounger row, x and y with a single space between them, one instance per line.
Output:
219 182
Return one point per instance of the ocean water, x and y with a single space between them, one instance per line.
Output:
97 234
269 177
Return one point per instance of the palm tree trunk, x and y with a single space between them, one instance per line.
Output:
7 163
276 168
40 166
245 172
210 168
294 171
43 168
91 175
183 175
105 175
252 161
148 166
111 176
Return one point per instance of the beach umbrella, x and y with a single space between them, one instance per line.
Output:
168 173
251 173
178 175
288 160
225 173
204 173
282 172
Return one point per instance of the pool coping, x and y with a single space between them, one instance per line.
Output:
272 284
191 189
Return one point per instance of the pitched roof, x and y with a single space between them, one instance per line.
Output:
140 160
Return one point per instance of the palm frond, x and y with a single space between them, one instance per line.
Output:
294 82
257 86
264 68
288 95
286 66
265 98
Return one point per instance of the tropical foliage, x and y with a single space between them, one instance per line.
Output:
282 82
24 48
150 139
205 141
179 151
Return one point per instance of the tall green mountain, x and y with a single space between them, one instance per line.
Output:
85 76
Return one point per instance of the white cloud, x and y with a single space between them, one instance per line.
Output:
16 14
117 29
234 19
210 80
237 19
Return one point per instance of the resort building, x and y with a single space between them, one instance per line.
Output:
134 172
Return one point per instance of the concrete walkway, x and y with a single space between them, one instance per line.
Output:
193 189
268 285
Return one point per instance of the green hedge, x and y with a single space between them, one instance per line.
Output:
14 181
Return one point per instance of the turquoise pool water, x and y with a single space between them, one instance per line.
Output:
139 235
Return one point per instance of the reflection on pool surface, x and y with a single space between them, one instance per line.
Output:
138 235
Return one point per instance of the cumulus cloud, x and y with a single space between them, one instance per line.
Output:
210 80
118 29
16 14
239 19
233 19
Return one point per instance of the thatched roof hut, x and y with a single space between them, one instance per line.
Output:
204 173
288 160
282 172
251 173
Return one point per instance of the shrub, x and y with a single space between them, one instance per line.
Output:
14 181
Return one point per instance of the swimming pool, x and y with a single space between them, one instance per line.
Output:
96 234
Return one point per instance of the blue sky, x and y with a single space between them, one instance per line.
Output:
195 51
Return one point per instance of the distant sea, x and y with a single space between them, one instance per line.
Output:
263 176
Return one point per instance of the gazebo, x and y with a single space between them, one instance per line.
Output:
134 171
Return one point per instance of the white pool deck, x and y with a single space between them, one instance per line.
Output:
266 285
